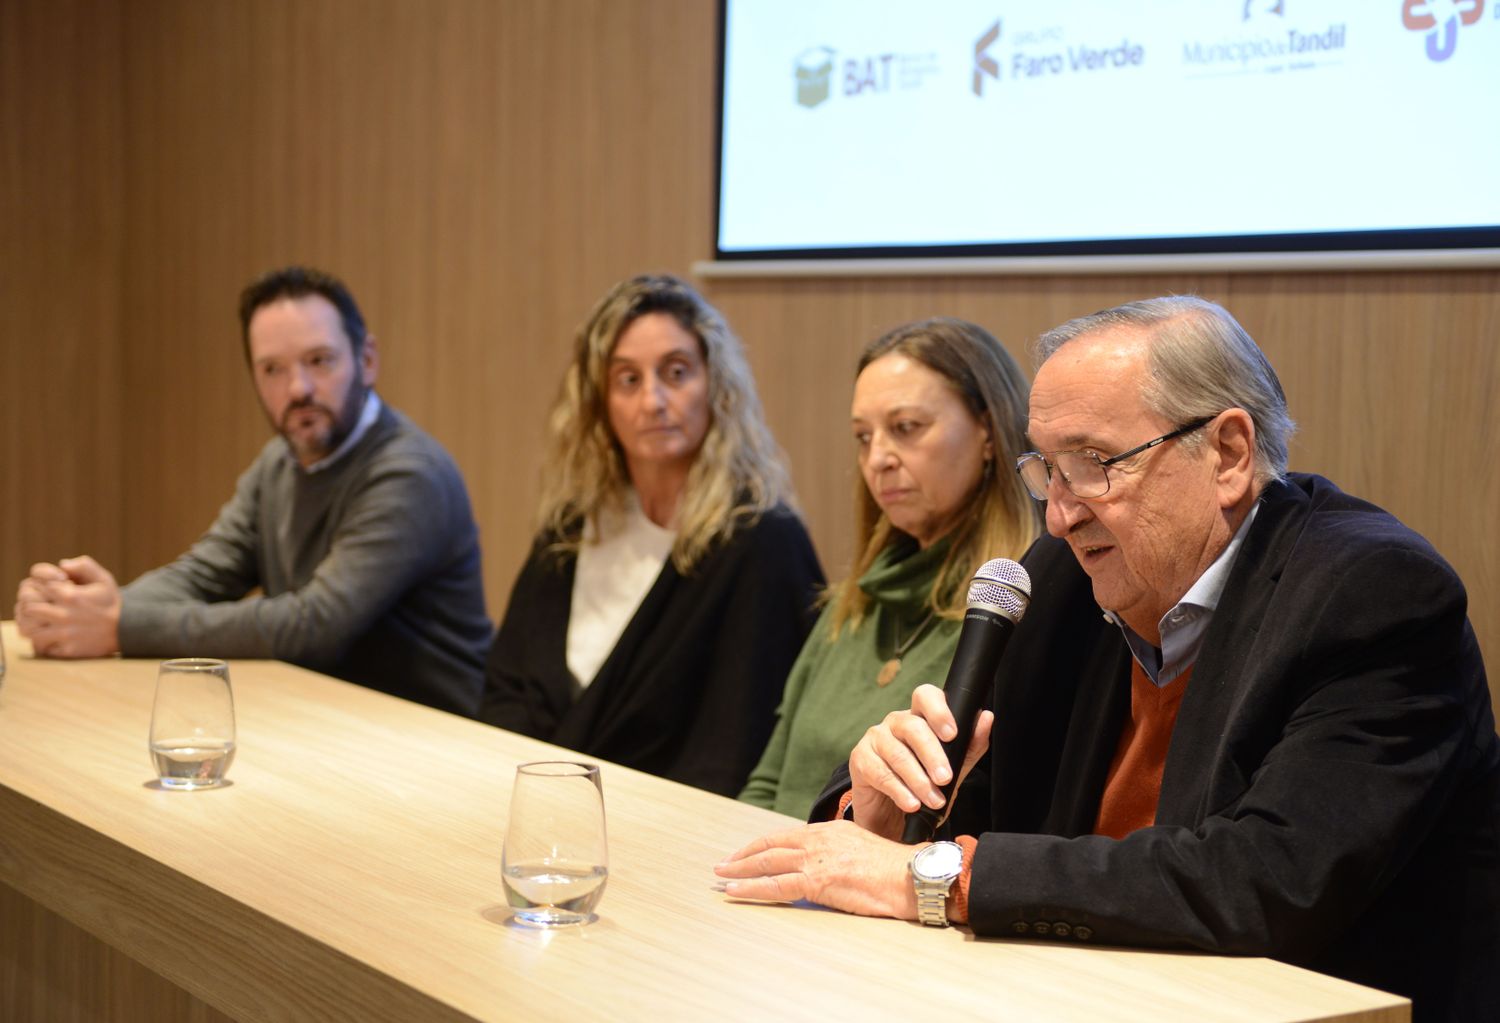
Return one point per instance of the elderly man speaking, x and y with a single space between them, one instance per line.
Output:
1245 712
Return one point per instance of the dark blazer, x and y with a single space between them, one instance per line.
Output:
691 688
1331 795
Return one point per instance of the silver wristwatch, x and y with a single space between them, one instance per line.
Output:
934 868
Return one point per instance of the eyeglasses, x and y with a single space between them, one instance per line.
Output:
1084 472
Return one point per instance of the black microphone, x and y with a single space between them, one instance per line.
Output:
998 597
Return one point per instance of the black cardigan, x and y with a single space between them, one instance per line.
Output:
691 688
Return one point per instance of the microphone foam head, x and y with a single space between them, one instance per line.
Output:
1004 585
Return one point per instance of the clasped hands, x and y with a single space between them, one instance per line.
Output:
70 609
861 866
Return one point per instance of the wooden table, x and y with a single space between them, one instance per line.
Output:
352 871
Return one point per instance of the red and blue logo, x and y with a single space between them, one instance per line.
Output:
1441 20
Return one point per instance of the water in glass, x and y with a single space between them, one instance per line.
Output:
555 863
192 723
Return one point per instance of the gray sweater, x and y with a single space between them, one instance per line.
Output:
368 570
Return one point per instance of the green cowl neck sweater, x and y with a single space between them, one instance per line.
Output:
832 694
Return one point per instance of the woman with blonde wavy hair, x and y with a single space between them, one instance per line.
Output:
671 585
938 404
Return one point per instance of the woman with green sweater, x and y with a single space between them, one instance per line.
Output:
936 403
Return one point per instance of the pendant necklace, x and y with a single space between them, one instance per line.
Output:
891 668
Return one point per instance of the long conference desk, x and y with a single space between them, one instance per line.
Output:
352 872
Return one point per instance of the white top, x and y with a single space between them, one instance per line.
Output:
618 562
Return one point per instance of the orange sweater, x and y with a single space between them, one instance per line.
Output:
1134 784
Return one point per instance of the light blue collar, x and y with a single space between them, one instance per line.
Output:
1185 624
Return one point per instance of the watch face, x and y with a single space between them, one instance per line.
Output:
940 861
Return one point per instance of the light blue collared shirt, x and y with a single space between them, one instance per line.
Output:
367 417
1185 624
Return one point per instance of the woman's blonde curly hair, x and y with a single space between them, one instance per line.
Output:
739 472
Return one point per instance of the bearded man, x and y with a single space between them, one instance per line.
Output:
353 525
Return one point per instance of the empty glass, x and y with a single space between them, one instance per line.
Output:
192 723
555 861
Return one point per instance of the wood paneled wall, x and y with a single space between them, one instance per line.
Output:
480 171
62 202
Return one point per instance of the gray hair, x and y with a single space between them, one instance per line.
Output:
1199 363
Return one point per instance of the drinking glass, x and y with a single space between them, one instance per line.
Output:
192 723
555 860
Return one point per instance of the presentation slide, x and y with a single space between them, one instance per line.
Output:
902 126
